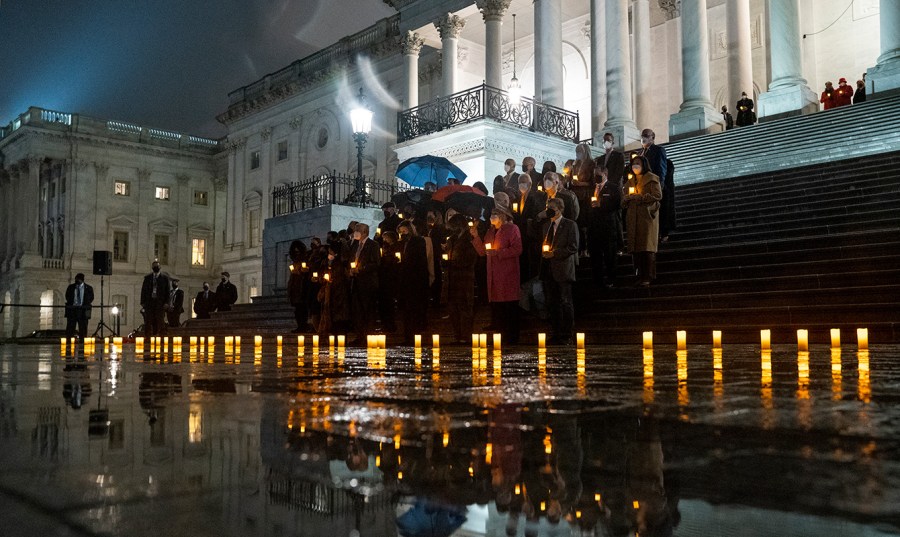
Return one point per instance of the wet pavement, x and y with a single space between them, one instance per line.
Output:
613 441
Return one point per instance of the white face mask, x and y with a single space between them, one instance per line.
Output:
548 185
509 168
523 187
637 169
607 145
646 140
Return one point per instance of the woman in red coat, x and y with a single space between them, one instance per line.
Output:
502 245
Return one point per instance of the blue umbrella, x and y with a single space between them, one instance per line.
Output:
419 170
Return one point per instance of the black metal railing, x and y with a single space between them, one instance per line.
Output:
486 102
333 189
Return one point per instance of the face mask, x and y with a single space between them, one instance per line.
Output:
548 185
637 169
607 145
495 220
387 214
646 140
523 187
403 236
78 282
331 257
551 213
357 236
524 168
155 269
224 280
509 168
206 288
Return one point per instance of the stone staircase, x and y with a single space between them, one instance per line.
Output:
815 247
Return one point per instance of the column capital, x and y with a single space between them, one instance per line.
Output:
450 25
493 10
672 8
411 43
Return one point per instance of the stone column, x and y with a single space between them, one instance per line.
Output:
410 45
619 108
598 68
493 11
788 94
548 71
696 115
740 62
449 27
643 72
885 76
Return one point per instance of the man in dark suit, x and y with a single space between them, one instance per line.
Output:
205 302
654 153
176 305
605 217
528 164
391 219
154 297
508 183
226 293
79 297
365 258
558 271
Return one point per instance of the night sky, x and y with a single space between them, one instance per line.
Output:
159 63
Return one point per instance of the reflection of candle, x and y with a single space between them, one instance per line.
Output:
546 248
542 340
631 190
717 339
488 246
862 339
681 335
648 340
579 340
835 338
515 207
765 337
802 340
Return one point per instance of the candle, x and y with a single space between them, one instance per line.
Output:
474 341
331 341
717 339
436 341
862 339
803 340
593 199
257 341
341 340
579 340
193 341
487 246
303 266
835 338
631 190
446 257
515 207
315 341
497 344
327 277
542 340
378 231
648 340
681 336
546 248
291 267
540 188
210 343
353 264
370 339
315 276
397 255
471 224
575 178
279 340
482 341
765 337
418 341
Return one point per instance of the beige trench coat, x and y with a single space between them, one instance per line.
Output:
642 215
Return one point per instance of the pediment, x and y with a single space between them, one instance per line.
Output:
121 221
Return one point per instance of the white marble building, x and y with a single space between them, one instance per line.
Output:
72 184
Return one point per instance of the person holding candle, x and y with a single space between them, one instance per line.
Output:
604 221
558 271
502 271
553 187
642 218
391 220
414 274
531 203
297 284
364 266
334 293
509 182
461 258
745 114
828 98
387 281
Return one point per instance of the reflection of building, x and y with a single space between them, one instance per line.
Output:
71 185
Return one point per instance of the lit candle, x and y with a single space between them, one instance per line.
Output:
835 338
648 340
327 277
370 339
593 199
540 188
176 344
862 339
315 342
474 341
62 345
681 336
765 337
192 341
542 340
291 267
482 341
515 207
353 264
341 340
631 190
717 339
301 342
471 224
279 340
445 257
257 341
418 341
497 343
315 276
436 341
303 266
546 248
210 343
378 231
331 341
575 178
397 254
579 340
487 246
803 340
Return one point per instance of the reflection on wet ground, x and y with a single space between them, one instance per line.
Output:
615 441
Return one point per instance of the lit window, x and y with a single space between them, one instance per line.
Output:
161 249
282 150
201 197
254 160
120 246
198 252
253 222
123 188
162 193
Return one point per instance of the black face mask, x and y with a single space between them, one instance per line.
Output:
551 213
156 269
206 288
224 280
78 282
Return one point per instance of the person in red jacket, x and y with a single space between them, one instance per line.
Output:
844 93
828 98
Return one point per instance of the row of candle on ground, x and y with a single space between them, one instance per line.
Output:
862 339
90 344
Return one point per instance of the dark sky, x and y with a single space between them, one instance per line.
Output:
159 63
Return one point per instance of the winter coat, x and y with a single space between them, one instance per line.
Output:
642 215
502 266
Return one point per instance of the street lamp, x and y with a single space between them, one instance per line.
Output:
361 120
515 89
115 313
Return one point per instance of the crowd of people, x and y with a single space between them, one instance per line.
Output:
427 261
844 94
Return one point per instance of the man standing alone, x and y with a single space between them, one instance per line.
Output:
79 297
226 293
558 271
176 305
205 302
154 297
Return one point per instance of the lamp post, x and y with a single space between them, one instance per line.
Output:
115 313
361 120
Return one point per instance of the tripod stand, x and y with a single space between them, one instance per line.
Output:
102 326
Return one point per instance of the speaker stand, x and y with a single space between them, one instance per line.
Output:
102 327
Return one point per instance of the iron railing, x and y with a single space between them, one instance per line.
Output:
333 189
486 102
